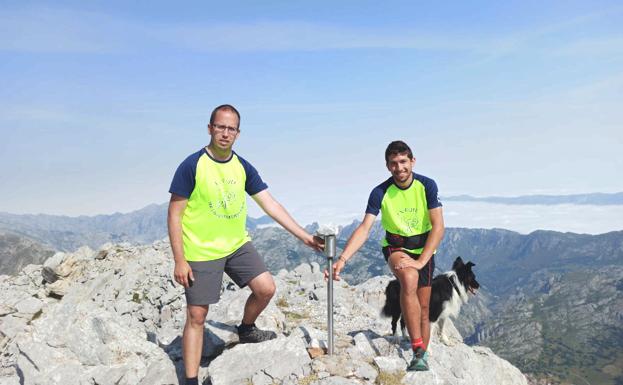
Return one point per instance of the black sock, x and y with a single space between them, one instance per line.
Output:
192 381
244 327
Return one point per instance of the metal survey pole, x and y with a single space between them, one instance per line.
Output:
329 250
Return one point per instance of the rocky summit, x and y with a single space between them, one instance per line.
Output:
115 316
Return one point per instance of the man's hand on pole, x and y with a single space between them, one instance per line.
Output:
337 268
315 243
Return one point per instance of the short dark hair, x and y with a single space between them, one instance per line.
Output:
224 107
397 147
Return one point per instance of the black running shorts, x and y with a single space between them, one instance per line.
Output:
241 266
425 274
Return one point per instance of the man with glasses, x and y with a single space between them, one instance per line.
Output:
207 229
413 222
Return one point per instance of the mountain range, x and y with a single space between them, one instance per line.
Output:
550 302
64 233
17 251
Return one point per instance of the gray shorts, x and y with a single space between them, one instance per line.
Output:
241 266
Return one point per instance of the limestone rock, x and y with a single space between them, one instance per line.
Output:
363 345
276 359
390 364
116 316
83 343
29 306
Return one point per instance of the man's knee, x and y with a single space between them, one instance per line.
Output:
264 289
268 291
197 315
408 281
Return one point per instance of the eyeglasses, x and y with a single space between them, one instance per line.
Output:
222 128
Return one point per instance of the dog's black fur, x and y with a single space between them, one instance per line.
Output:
447 294
392 305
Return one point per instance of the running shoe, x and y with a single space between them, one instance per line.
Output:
418 362
252 335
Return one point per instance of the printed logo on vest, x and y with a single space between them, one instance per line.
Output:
409 219
228 204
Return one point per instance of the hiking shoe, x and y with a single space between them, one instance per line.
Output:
418 362
425 360
251 334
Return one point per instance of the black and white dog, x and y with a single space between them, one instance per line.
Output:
448 293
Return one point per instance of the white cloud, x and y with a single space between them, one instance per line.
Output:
524 219
527 218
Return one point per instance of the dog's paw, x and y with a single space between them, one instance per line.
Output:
445 340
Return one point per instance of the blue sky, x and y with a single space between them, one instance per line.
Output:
100 101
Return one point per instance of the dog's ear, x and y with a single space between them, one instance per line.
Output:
470 264
458 262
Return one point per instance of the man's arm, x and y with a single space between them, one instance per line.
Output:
354 243
432 242
182 272
276 211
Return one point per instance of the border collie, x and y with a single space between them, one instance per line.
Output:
448 293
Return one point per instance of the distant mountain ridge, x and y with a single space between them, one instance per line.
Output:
66 233
599 199
17 251
146 225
